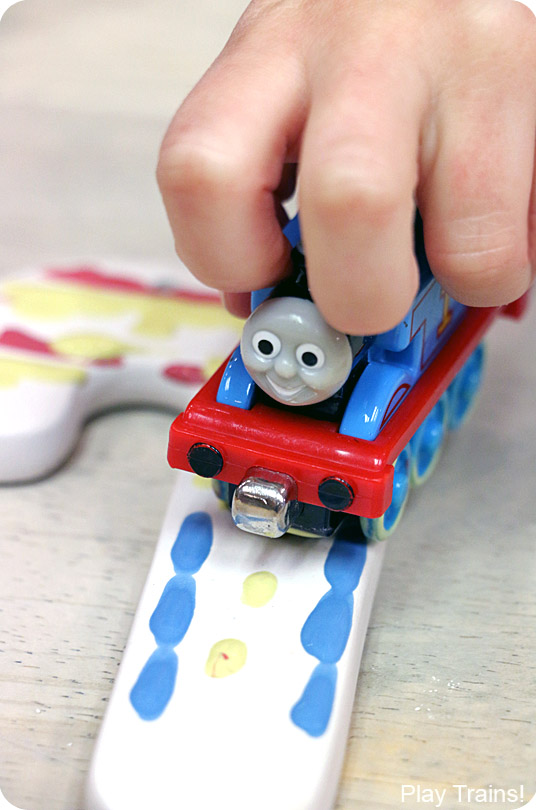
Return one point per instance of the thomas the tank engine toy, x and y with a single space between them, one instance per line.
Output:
304 425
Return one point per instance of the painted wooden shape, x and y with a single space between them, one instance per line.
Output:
237 683
81 339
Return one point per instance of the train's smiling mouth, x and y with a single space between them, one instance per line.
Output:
286 393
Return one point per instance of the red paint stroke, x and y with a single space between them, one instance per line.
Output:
183 373
16 339
91 277
107 361
97 279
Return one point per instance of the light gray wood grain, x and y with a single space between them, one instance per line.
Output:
447 689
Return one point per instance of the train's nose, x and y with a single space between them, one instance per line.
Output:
265 502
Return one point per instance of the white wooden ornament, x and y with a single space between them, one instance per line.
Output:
78 340
226 737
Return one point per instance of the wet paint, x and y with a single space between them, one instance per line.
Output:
156 316
92 277
16 370
226 657
172 616
91 346
185 373
17 339
313 710
174 612
259 588
153 689
325 633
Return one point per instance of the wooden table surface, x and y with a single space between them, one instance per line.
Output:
447 689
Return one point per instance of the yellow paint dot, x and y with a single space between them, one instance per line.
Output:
259 588
225 658
91 346
12 372
156 316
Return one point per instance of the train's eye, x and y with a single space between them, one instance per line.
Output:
310 356
266 344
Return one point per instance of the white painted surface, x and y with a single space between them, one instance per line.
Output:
229 741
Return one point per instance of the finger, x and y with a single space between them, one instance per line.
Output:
475 206
532 222
221 171
237 303
476 193
358 174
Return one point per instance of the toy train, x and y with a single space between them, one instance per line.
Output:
304 425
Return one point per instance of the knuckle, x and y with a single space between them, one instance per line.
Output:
482 277
190 168
337 193
365 309
369 318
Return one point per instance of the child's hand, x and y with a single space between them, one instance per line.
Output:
381 102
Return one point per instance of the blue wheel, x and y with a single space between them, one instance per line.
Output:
428 442
464 388
382 527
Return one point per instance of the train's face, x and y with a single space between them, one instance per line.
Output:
293 354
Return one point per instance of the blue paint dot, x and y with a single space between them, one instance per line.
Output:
152 691
344 565
193 543
328 626
172 616
313 710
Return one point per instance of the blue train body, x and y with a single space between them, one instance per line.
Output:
385 367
